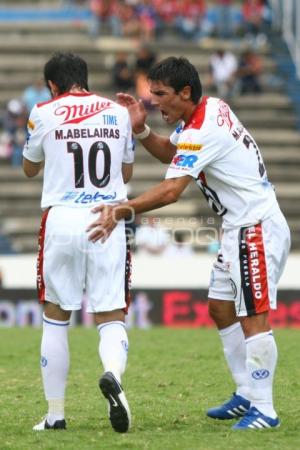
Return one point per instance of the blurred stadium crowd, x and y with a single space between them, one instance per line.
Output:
149 20
191 19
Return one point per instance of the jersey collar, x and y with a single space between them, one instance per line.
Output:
198 116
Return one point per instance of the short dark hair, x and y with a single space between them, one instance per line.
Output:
65 70
177 73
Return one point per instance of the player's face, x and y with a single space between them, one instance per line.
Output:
171 105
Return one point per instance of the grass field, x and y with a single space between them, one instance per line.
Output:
172 377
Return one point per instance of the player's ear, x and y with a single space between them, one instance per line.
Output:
53 88
185 93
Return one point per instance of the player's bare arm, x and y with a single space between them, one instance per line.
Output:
127 170
31 169
163 194
159 146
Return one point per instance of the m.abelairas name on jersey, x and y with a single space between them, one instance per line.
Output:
86 133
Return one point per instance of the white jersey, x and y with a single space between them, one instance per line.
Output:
84 139
220 154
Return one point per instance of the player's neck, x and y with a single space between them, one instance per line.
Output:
190 110
77 90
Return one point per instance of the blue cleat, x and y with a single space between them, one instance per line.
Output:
236 407
255 420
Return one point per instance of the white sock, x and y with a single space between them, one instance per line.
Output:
113 347
55 366
234 347
261 364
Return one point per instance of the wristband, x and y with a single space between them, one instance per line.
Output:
144 134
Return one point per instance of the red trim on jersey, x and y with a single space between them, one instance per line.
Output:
40 259
202 178
76 94
257 268
198 116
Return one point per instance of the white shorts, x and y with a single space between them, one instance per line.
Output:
249 265
69 265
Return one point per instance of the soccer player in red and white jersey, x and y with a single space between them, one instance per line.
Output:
84 142
211 147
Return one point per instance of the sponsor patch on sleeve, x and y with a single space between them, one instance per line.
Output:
31 124
188 146
184 162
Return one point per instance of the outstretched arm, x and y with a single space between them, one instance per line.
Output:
164 193
159 146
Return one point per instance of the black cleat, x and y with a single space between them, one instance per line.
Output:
44 425
119 412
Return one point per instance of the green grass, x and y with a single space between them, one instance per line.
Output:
171 378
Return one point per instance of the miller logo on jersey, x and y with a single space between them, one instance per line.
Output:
78 113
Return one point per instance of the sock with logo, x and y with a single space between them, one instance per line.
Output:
113 347
55 366
261 364
234 347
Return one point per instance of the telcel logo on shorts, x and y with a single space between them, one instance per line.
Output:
74 197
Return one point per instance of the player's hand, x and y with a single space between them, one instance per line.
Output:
136 109
102 227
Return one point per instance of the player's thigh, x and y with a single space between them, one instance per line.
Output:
53 311
106 273
64 257
256 324
109 316
222 312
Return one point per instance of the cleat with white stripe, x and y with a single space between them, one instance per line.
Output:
44 425
255 420
236 407
118 409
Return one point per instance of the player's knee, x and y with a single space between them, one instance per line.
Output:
214 310
53 311
222 313
256 324
109 316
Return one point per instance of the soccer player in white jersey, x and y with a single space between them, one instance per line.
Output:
84 141
211 147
